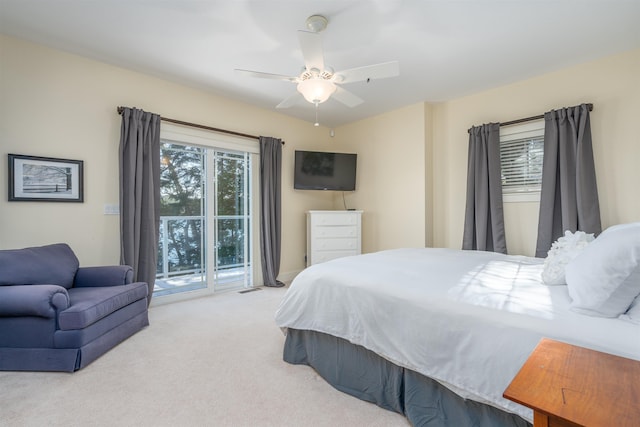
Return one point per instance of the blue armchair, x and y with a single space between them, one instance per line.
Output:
57 316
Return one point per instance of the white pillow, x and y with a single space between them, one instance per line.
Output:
562 251
605 278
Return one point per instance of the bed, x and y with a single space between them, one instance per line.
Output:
438 334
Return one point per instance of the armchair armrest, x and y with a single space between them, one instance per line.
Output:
32 300
110 275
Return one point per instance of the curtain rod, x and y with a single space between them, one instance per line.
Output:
529 119
195 125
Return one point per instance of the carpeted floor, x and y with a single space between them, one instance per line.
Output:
214 361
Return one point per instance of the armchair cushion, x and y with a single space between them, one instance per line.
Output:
52 264
88 305
110 275
35 300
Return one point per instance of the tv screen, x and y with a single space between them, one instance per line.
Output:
315 170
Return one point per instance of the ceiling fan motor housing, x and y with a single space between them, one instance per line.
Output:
314 73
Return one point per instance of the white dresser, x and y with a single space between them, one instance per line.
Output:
333 234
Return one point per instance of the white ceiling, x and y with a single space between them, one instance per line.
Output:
445 48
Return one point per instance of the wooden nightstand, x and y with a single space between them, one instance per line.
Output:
570 386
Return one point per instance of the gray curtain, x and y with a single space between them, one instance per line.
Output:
270 209
140 193
569 195
484 218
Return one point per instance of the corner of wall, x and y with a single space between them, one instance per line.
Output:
429 125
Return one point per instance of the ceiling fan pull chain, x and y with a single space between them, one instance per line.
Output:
316 123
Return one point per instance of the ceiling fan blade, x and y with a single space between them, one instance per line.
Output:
311 46
346 97
290 101
376 71
262 75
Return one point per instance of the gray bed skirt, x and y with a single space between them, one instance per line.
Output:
361 373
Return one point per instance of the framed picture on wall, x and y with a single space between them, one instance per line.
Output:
45 179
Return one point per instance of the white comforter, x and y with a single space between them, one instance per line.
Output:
468 319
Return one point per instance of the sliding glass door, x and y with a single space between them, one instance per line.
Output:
230 219
205 219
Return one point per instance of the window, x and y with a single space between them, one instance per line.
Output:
206 212
181 251
521 154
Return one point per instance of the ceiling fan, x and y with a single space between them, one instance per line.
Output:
317 82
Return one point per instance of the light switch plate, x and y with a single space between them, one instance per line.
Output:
111 209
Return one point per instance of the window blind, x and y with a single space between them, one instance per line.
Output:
521 154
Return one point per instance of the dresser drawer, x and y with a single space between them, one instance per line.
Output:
336 231
333 219
335 244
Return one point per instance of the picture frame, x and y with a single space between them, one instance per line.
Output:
45 179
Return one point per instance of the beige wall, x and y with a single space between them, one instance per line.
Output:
612 84
54 104
390 177
430 207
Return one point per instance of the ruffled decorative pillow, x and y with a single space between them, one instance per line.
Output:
561 253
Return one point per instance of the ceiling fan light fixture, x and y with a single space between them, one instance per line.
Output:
316 90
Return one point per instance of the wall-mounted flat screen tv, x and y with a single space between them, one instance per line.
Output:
316 170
